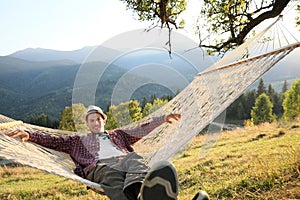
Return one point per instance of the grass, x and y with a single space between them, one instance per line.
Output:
19 182
260 162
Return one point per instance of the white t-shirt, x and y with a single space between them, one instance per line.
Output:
107 149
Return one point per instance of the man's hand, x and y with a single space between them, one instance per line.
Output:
172 117
24 136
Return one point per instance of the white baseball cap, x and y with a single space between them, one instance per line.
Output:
95 109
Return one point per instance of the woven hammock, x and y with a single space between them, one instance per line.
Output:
202 101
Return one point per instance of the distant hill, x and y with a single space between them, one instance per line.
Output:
40 55
24 83
30 88
44 55
35 81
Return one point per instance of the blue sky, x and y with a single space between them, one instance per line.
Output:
68 24
61 24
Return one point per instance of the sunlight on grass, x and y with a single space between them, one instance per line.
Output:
27 183
257 163
260 162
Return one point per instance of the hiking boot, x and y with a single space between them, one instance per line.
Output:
202 195
161 183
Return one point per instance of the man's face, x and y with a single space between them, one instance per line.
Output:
95 123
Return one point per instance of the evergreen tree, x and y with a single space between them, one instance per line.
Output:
248 103
144 102
157 104
261 88
167 97
284 87
231 111
66 121
111 120
43 120
262 110
276 100
240 109
121 114
124 114
79 112
72 118
152 98
150 108
135 110
291 102
147 109
271 92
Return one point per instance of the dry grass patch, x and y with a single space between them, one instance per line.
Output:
260 162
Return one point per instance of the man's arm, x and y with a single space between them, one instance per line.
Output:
146 128
172 117
23 135
46 140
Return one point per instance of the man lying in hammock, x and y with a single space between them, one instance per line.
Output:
107 158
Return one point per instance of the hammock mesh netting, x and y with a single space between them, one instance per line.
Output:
203 100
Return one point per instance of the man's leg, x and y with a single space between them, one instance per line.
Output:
161 183
136 170
111 180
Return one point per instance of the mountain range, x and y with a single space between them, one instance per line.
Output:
35 81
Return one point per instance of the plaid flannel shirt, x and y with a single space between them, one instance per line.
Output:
84 149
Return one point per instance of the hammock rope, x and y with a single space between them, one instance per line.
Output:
201 105
36 156
203 100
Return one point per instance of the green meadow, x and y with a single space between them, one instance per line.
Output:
258 162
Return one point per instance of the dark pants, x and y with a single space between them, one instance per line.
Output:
120 177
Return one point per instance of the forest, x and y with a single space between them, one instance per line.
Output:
255 106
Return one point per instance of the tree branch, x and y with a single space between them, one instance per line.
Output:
278 7
238 38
